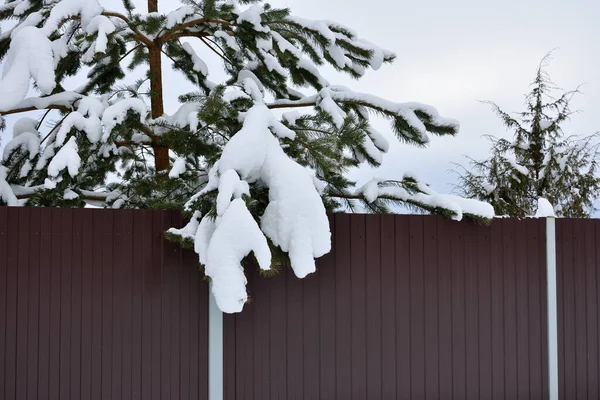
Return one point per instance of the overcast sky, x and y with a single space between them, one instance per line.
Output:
451 54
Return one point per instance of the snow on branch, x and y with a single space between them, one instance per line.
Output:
179 15
343 47
6 193
295 218
255 183
411 121
65 9
92 197
102 26
29 56
116 113
139 35
235 235
60 101
413 192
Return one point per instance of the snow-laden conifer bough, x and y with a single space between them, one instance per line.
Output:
256 159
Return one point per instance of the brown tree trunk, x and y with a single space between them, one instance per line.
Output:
161 153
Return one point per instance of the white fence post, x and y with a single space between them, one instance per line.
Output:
552 308
215 349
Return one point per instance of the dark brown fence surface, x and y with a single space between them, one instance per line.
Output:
405 307
578 261
95 304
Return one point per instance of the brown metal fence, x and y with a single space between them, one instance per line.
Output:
406 307
95 304
578 263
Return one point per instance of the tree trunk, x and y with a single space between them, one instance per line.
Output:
161 153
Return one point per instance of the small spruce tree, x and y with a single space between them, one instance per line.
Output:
540 161
255 160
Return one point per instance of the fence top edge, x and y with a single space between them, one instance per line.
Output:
331 215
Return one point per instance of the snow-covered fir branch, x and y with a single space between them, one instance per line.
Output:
255 159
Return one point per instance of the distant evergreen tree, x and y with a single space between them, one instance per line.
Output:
539 162
250 176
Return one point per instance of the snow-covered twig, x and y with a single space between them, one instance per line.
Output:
172 33
143 38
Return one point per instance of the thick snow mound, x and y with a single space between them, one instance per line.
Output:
66 158
116 113
236 234
6 192
544 209
29 56
295 218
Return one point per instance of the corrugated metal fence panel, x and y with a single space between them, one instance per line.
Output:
578 263
95 304
404 307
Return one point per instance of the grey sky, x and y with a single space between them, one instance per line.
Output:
450 54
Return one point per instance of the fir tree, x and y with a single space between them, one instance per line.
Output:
254 160
540 161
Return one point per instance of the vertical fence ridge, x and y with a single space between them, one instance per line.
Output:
74 288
